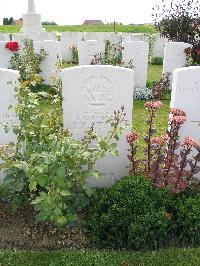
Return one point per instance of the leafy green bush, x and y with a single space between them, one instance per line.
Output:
130 214
47 167
187 217
157 61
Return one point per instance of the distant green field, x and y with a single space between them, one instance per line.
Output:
89 28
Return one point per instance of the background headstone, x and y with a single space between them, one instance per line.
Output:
67 40
49 66
137 36
5 56
90 93
159 46
136 54
186 96
7 98
174 56
87 50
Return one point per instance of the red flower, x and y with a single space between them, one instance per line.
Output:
12 46
168 215
198 52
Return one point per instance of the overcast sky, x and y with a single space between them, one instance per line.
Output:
66 12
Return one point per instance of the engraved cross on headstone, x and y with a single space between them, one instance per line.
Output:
31 7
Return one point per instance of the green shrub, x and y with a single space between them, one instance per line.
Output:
187 216
131 214
157 61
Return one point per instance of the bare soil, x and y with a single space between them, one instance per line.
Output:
20 231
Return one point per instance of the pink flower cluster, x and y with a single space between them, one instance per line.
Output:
189 142
132 137
178 120
160 140
153 105
177 112
177 116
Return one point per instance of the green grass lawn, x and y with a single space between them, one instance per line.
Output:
171 257
154 72
88 28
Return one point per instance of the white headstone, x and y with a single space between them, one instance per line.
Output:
7 98
137 37
67 40
88 36
49 67
136 54
174 56
4 37
101 36
125 37
186 96
159 46
5 56
114 38
87 50
90 93
19 37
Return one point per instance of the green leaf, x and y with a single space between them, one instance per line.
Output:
60 172
116 137
65 193
71 217
61 220
103 144
32 185
42 180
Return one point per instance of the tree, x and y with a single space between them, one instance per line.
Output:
178 20
5 21
52 23
8 21
11 20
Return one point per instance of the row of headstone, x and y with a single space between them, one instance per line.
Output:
68 39
49 66
41 36
90 93
134 55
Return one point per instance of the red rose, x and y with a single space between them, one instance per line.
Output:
12 46
168 216
198 52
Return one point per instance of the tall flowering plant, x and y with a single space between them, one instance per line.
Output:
167 161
